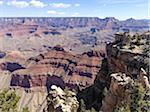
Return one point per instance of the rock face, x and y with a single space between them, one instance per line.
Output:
62 100
117 92
32 79
106 23
81 63
60 68
143 79
127 56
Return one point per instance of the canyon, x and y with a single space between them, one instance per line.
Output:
41 57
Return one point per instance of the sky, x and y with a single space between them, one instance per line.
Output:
120 9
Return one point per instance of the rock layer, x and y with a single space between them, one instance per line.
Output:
70 69
129 55
117 92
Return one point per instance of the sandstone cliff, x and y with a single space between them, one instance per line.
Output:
127 58
61 66
128 55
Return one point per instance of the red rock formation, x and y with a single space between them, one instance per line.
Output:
72 69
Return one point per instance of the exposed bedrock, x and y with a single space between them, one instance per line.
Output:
60 68
91 73
117 91
127 55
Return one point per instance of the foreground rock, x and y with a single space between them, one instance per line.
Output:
127 55
64 101
117 92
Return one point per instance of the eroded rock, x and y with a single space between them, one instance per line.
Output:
62 100
117 91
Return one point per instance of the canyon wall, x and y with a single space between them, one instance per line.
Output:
127 58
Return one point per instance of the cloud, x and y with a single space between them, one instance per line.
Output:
36 3
19 4
55 12
1 2
76 5
23 4
60 5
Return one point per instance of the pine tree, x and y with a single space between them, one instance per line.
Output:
8 101
137 103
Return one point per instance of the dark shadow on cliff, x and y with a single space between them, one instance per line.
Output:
93 95
54 80
12 66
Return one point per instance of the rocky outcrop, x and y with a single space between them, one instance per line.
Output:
62 100
117 92
143 79
127 56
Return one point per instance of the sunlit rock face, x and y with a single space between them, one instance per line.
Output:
143 79
117 91
60 68
129 54
62 100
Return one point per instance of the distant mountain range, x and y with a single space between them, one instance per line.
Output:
74 22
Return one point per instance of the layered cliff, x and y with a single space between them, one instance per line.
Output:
127 58
76 22
101 80
60 68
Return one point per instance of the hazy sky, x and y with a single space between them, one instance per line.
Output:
121 9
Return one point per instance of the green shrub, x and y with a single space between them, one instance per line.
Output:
137 103
8 102
26 109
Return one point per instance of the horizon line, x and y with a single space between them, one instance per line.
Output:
71 17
